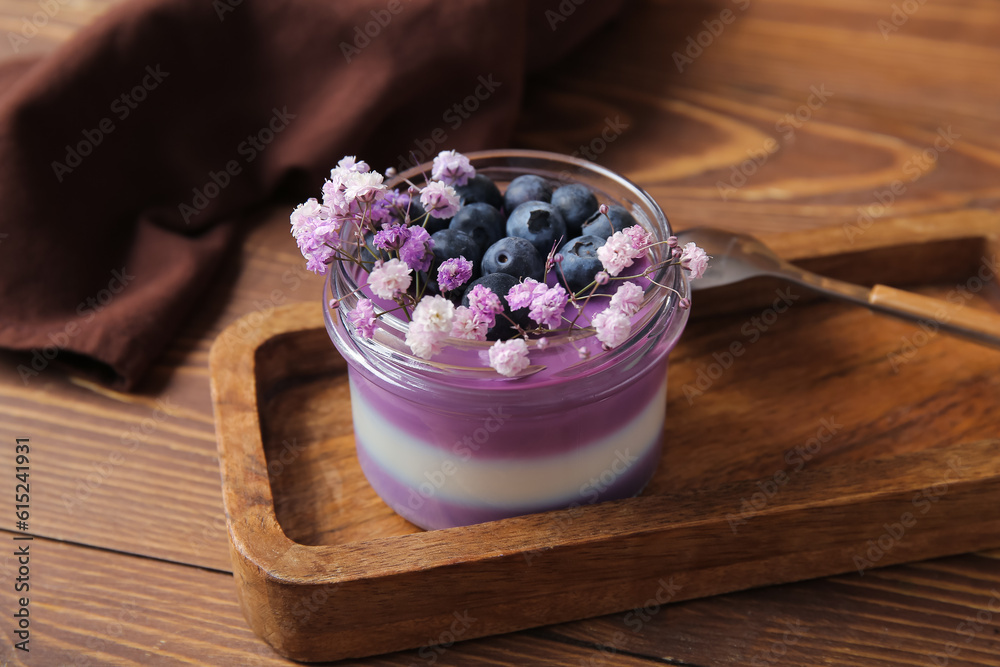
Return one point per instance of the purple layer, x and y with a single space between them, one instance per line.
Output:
508 428
433 513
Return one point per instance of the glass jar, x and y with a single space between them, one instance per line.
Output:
450 442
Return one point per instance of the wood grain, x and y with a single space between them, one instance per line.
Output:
792 517
90 607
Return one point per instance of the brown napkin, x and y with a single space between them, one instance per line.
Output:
130 155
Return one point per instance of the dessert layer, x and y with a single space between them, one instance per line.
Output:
425 508
504 424
543 476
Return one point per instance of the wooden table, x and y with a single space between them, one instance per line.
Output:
130 564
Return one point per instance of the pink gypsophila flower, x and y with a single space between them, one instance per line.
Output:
615 254
695 260
363 318
453 272
547 307
416 249
485 303
389 279
468 324
628 298
509 357
612 327
440 200
350 163
430 326
639 239
423 342
452 168
316 233
521 295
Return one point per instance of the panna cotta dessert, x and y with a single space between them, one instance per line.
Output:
506 318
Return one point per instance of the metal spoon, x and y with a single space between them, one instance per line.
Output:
738 257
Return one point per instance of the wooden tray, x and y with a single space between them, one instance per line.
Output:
830 439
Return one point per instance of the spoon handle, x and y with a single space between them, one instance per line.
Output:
950 316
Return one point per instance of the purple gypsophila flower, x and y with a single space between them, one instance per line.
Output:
484 302
521 295
388 279
628 298
453 272
440 200
695 260
452 168
416 250
363 318
547 307
509 357
391 237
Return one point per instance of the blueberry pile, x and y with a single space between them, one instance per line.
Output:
509 236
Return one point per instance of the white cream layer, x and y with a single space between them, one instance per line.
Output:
532 481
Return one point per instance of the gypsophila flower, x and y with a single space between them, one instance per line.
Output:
453 272
509 357
612 327
484 302
364 186
628 298
547 307
639 239
521 295
435 313
430 326
695 260
350 163
615 254
602 278
423 342
391 237
416 250
363 318
468 324
316 233
388 279
452 168
440 200
543 343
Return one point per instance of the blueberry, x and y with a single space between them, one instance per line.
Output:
538 222
501 283
604 226
515 256
580 263
481 190
576 203
526 188
482 222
